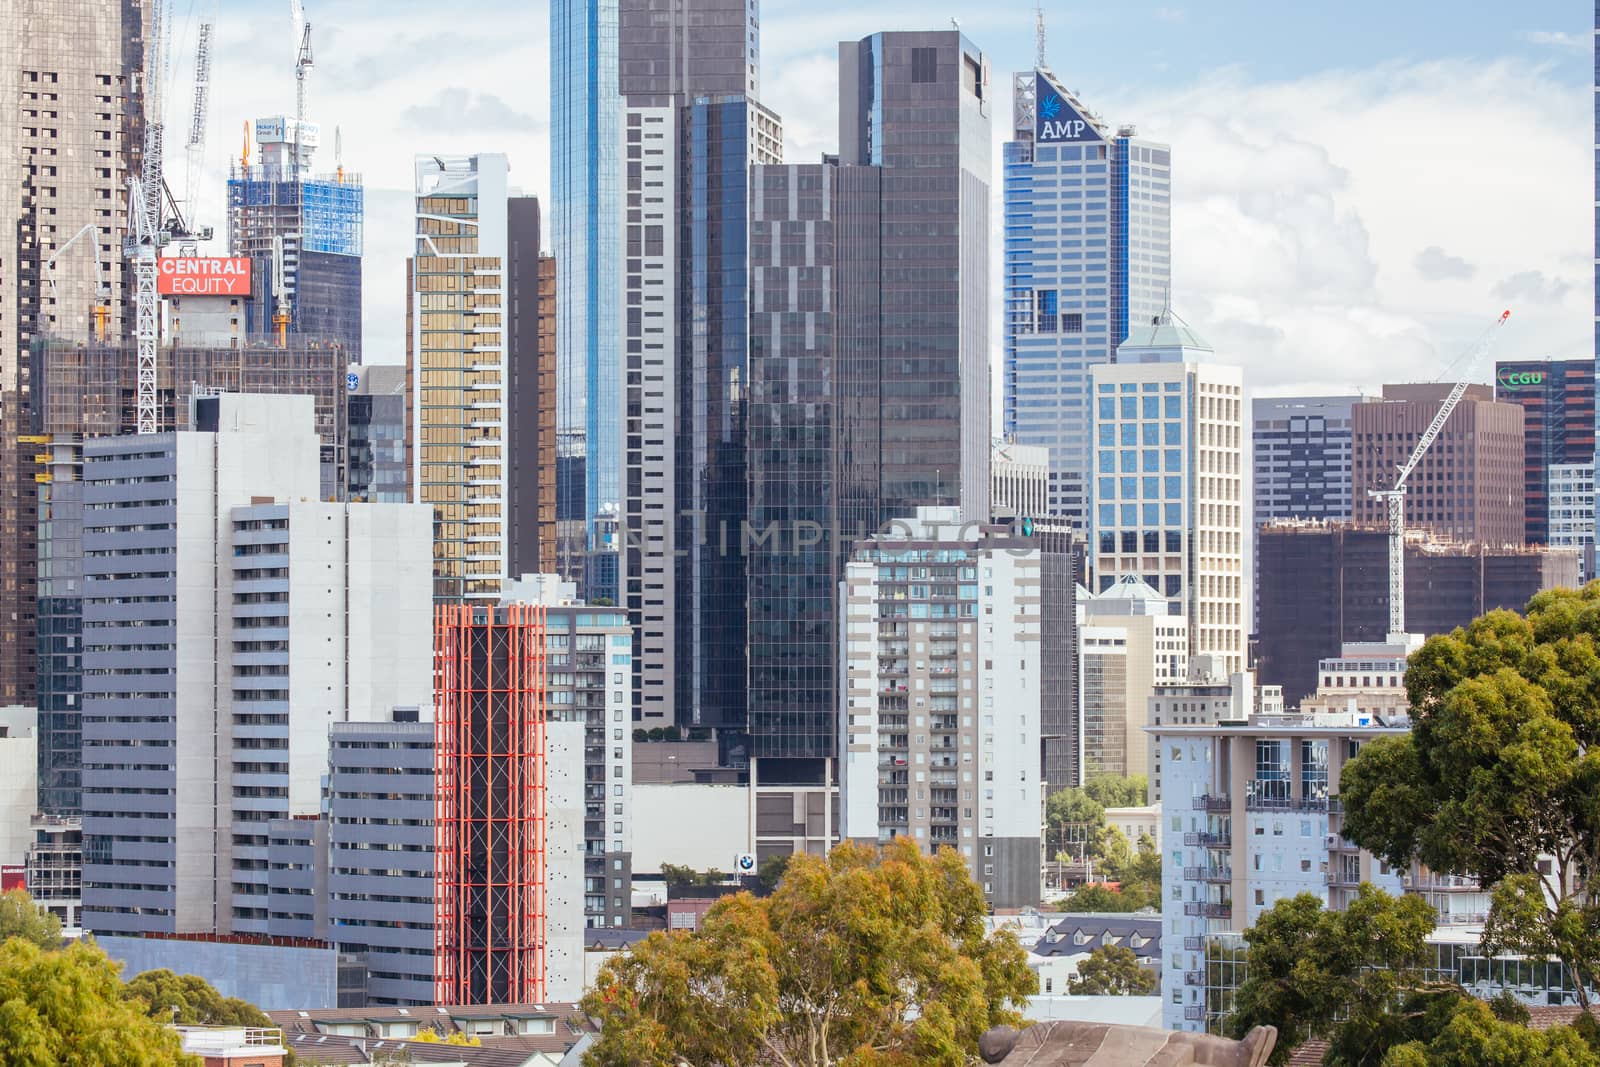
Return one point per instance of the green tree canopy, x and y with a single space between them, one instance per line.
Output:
864 958
1317 973
1112 970
67 1009
1500 771
21 917
1471 1036
1118 791
1076 821
196 1001
1104 898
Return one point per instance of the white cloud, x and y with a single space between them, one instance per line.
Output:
1435 264
1300 207
1574 42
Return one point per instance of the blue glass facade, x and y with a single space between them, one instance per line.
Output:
1087 255
586 214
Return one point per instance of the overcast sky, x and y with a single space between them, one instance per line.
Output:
1359 188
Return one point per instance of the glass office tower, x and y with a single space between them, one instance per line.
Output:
586 219
1088 253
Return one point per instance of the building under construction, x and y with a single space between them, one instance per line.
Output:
1325 584
278 210
514 782
91 389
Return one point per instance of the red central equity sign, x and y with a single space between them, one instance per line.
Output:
204 276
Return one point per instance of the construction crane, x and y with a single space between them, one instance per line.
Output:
145 235
197 122
302 66
102 292
1395 497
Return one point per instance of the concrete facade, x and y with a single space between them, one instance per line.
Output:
215 539
1128 644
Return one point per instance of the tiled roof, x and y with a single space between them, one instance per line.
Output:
1075 934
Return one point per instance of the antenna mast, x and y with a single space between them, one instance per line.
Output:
1038 32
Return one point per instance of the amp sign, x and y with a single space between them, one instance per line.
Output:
1055 121
204 276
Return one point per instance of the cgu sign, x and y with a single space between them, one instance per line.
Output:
1518 379
204 276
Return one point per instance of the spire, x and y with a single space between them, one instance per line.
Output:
1038 31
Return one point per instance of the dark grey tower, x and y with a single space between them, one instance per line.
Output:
868 360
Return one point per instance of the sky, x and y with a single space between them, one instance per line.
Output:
1359 189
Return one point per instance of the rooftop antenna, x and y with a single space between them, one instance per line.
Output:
1038 32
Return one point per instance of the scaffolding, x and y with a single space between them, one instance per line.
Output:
490 820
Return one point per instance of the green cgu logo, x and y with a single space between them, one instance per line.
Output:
1519 379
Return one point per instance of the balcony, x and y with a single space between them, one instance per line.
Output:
1194 1013
1208 874
1219 803
1194 944
1194 978
1208 909
1209 839
1341 878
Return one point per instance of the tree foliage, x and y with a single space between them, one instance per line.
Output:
190 1000
1317 973
866 958
1501 770
1102 898
67 1009
770 873
1076 821
1112 970
21 917
1469 1035
1118 791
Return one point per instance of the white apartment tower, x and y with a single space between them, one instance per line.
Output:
230 618
1168 486
456 352
1128 644
940 697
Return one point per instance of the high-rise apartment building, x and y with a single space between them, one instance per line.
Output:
586 213
1169 474
1324 585
940 701
530 394
1019 482
1469 486
456 351
693 128
1128 644
868 368
1571 511
209 540
1088 257
67 147
1557 402
305 228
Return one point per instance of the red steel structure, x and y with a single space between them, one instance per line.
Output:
489 818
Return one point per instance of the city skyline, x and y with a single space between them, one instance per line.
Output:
1274 126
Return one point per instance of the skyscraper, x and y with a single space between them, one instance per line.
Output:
194 541
1469 486
456 351
868 366
586 213
67 147
1088 255
1168 491
530 395
1557 402
693 128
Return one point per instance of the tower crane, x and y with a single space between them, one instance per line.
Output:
1395 497
302 66
102 292
196 146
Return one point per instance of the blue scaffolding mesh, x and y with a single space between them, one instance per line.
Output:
332 211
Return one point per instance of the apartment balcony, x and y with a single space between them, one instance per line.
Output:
1195 978
1208 874
1218 803
1209 839
1194 944
1349 879
1208 909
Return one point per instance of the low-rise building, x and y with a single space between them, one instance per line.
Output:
234 1046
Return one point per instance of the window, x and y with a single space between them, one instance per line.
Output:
924 64
1072 322
1044 302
